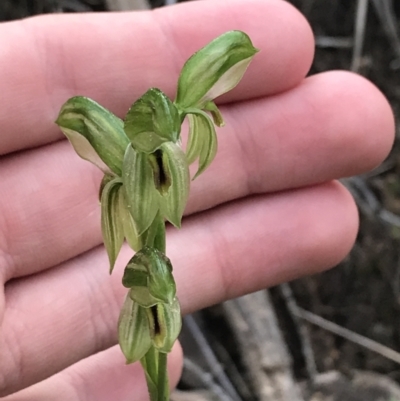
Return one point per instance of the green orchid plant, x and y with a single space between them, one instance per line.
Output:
146 184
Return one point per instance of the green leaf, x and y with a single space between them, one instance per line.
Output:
150 366
140 194
151 387
202 139
96 134
152 120
111 226
133 331
176 169
165 324
215 69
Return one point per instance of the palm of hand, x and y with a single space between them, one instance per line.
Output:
266 211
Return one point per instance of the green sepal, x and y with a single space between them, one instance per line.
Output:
165 323
141 295
203 141
195 138
160 285
215 113
133 331
106 179
215 69
176 169
152 120
111 225
135 278
128 223
96 134
140 194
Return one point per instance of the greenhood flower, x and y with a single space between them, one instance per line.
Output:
155 183
141 328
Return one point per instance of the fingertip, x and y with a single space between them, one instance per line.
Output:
300 43
379 123
333 240
364 116
288 45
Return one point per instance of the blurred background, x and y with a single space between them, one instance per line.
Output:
328 337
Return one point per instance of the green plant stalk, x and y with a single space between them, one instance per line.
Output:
156 362
162 377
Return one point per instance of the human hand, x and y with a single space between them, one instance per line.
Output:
266 211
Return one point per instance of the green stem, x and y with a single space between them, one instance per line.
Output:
162 386
155 363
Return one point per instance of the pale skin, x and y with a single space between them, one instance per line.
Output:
268 209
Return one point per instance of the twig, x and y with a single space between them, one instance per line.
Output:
302 330
363 195
368 202
386 14
75 6
389 218
306 6
265 357
126 5
334 42
349 335
226 358
206 379
209 356
360 23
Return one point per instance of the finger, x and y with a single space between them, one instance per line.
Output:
115 58
101 377
240 247
314 133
